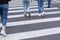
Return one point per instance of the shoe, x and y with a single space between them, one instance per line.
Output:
43 14
48 7
29 15
3 33
39 14
25 15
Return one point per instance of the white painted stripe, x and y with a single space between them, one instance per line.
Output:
14 11
14 8
32 34
26 22
33 14
56 1
22 15
21 7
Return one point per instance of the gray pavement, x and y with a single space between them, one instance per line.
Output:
35 27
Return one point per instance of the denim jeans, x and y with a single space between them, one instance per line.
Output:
3 13
49 2
40 6
26 6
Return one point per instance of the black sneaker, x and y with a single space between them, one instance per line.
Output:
25 15
29 15
48 7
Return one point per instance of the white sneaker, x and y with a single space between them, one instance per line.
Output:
3 32
39 14
42 13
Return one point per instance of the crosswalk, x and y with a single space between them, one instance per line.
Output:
19 27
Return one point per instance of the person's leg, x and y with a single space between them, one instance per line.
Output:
1 14
42 8
39 6
28 7
4 18
24 7
49 3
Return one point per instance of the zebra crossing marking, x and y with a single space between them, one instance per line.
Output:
32 21
33 14
14 11
32 34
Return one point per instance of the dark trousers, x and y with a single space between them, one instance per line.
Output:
3 13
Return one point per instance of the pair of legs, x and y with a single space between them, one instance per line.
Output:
26 4
49 3
3 14
40 7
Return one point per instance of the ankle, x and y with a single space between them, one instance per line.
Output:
3 28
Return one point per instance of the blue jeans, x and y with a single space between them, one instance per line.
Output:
40 6
3 13
49 2
26 6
